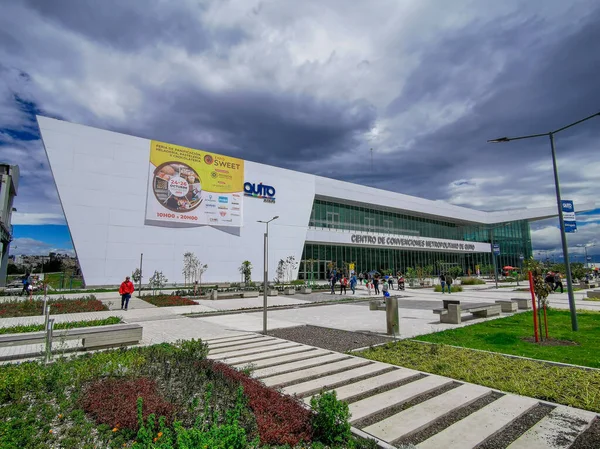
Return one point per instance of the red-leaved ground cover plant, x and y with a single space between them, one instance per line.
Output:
280 419
168 300
24 307
113 401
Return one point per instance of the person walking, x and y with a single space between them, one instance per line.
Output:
125 290
376 284
353 284
343 285
332 281
384 289
549 279
26 280
443 281
558 282
369 286
391 282
448 280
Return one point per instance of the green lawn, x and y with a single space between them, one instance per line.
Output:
505 336
63 281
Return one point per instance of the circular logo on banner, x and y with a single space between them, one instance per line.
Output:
177 186
208 159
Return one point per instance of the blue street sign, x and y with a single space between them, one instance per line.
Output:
496 249
568 211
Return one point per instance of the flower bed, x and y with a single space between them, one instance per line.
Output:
168 300
24 307
66 325
163 396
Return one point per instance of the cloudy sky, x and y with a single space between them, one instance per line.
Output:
312 86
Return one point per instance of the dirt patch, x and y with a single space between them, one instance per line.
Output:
590 438
551 342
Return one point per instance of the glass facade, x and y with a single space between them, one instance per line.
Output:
514 239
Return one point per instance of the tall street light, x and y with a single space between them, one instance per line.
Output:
266 278
563 235
585 247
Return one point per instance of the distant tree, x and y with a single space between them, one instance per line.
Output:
290 267
246 271
157 281
190 264
136 275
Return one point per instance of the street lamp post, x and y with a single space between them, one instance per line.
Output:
561 220
266 278
585 247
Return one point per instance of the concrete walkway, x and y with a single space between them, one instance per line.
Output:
396 404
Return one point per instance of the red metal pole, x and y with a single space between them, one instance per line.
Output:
535 326
546 321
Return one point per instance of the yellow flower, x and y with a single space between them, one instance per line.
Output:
160 434
115 429
50 431
60 416
155 439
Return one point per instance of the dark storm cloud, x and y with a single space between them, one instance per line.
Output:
277 128
131 25
548 80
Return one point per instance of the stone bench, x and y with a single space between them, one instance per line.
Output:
96 337
507 305
593 294
587 285
452 313
250 294
376 304
523 303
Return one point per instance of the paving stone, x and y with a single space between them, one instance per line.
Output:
373 404
296 356
349 391
250 351
557 430
245 345
226 344
329 382
298 365
478 426
416 418
246 359
231 338
283 379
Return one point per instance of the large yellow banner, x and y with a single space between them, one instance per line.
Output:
194 187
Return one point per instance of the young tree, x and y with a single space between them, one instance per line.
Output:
246 270
157 281
136 275
290 267
200 270
280 272
541 288
190 264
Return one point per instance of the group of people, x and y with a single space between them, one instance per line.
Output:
371 281
554 280
446 282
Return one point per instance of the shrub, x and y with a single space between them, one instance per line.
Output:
455 288
19 307
472 281
330 422
280 419
113 401
66 325
168 300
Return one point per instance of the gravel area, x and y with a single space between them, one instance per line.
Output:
447 421
517 428
590 438
386 413
332 339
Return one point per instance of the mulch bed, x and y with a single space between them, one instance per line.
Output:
551 342
168 300
326 338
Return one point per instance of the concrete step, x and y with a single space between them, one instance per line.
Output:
245 359
231 338
557 430
244 345
347 392
284 379
374 404
421 415
272 361
480 425
227 344
251 351
298 365
329 382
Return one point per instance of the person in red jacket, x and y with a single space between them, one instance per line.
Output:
125 290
